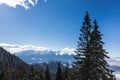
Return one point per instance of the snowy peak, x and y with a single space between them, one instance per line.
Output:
15 48
35 57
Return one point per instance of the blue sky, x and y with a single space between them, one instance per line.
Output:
56 23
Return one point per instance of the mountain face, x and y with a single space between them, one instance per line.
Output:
10 64
45 56
13 68
11 60
36 57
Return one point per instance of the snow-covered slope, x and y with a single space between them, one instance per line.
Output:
35 57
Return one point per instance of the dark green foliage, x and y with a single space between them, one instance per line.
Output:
90 56
59 72
99 65
2 75
47 73
82 57
13 68
66 73
21 73
31 73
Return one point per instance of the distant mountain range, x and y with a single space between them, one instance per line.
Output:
40 56
15 48
36 57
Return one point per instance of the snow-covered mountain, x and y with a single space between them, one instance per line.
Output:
15 48
37 54
35 57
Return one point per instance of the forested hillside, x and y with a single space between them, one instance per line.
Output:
13 68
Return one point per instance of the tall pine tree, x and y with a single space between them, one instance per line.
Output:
90 56
82 57
99 66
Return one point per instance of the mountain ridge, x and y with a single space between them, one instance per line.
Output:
15 48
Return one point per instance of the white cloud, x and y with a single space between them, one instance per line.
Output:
36 1
31 2
115 61
24 3
45 0
14 48
67 50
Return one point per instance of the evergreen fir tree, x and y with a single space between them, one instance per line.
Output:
2 75
32 73
66 73
47 73
91 58
99 66
59 72
82 57
21 73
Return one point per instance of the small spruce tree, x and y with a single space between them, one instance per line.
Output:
32 73
66 73
59 72
47 73
2 75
